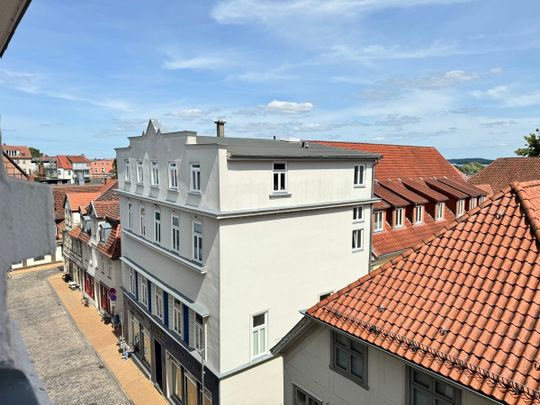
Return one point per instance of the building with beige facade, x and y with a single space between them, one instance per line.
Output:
224 241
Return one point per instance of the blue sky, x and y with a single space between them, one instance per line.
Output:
462 75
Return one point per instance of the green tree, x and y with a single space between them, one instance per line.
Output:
471 168
532 145
36 153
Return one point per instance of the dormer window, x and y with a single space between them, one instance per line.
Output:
460 208
472 203
195 178
173 176
378 221
439 211
280 177
418 214
398 218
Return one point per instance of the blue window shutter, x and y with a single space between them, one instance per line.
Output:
186 324
137 286
166 308
149 293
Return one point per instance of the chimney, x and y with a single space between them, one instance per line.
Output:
220 127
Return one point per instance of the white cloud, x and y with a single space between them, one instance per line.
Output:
188 113
197 63
509 98
497 92
289 107
496 70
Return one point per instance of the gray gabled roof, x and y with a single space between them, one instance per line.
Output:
253 148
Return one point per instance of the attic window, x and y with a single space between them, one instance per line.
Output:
418 214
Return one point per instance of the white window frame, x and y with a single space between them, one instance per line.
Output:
130 215
460 207
439 211
173 175
198 333
279 178
157 307
358 214
398 218
473 203
143 290
155 173
358 239
175 233
359 179
195 178
256 333
197 240
132 283
418 214
142 225
378 226
127 170
157 225
178 317
481 199
140 172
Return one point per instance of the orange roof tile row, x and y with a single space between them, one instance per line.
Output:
79 201
504 171
112 246
465 304
23 150
59 194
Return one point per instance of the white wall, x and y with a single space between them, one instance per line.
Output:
281 264
307 366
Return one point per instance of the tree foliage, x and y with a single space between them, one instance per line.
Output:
471 168
36 153
532 147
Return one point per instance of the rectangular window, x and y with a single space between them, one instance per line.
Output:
143 290
147 348
175 230
425 389
349 358
157 305
280 177
173 176
399 218
198 339
359 175
195 177
357 239
258 334
197 241
418 214
127 170
139 172
472 203
460 210
379 221
177 382
178 317
358 214
130 215
481 199
132 283
142 226
157 225
155 174
301 397
439 211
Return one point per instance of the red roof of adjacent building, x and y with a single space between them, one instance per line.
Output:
24 151
504 171
59 195
464 305
401 162
66 162
79 201
112 246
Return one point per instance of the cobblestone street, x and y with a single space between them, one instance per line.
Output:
67 365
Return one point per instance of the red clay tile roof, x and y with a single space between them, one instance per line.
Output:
12 168
419 187
23 150
401 162
59 194
78 233
463 186
504 171
446 189
464 305
78 159
391 198
111 247
63 162
108 191
103 208
79 201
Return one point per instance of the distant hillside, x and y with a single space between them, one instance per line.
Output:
464 161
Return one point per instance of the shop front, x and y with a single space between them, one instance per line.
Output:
176 373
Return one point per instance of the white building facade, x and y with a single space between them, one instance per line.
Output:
224 241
